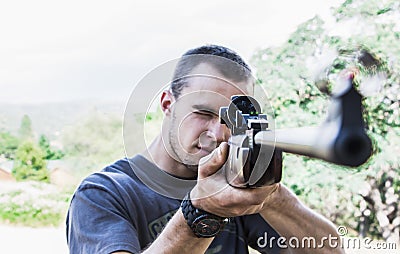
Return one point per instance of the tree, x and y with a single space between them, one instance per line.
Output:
25 130
29 163
8 145
49 153
365 199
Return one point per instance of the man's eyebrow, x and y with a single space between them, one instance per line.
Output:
202 107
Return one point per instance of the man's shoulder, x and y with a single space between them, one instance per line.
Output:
118 175
120 170
116 170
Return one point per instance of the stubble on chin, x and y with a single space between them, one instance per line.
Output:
180 155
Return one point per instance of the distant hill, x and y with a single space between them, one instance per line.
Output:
50 118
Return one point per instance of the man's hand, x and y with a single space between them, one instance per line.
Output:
275 203
213 194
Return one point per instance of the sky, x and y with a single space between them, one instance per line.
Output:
58 51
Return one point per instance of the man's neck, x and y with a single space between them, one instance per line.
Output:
158 154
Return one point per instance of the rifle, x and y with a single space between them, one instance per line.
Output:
255 151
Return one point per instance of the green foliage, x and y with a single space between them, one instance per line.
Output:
29 163
94 142
8 145
366 9
310 61
34 204
285 67
49 153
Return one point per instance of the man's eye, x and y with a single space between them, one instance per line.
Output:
204 113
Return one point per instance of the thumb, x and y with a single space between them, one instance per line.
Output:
211 163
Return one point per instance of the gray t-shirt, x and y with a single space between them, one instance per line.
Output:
113 210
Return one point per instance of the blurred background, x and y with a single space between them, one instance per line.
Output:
67 70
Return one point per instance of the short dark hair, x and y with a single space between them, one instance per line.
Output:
225 60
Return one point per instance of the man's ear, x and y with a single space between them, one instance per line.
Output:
167 99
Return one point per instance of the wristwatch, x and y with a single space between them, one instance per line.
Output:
203 224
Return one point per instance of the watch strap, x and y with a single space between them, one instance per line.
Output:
191 213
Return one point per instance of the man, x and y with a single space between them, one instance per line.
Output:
117 211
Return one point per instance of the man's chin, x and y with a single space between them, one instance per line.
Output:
192 167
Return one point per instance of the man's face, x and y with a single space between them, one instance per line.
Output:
194 130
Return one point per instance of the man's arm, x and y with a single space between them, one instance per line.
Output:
276 204
177 237
311 232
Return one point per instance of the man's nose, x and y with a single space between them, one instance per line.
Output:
219 132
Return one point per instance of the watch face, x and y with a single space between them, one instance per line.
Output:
206 226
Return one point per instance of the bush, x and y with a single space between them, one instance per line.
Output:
29 163
34 204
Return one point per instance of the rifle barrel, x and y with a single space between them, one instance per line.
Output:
330 142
